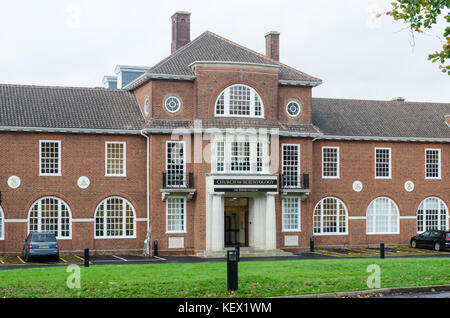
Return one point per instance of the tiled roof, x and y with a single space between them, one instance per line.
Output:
237 123
214 48
346 117
68 107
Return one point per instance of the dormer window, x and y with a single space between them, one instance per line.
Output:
239 101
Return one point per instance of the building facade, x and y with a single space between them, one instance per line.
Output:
214 146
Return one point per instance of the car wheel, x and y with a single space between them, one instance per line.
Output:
437 246
413 244
56 259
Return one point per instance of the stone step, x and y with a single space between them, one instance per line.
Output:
246 252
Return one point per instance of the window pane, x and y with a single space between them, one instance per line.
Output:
330 162
115 158
291 166
176 176
49 157
291 214
114 217
175 214
382 163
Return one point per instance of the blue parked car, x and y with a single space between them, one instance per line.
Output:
41 244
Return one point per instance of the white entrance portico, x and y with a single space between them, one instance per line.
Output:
260 191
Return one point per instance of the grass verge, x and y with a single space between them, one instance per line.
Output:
256 279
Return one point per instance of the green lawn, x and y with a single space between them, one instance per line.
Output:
256 279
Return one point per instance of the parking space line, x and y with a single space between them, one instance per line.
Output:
63 260
21 259
78 257
163 259
1 261
118 257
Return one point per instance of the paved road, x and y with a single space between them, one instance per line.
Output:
13 262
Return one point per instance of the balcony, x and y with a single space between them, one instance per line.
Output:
178 185
295 185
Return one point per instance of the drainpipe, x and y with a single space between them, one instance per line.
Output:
148 241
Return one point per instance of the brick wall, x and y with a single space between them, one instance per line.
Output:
81 155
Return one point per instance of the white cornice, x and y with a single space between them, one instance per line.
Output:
379 138
299 83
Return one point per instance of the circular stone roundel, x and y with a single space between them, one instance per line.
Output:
83 182
357 186
409 186
14 182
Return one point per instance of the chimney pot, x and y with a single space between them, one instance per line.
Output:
181 30
273 45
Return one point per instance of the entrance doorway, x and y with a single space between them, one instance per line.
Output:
236 221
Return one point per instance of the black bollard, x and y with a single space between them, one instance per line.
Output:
155 248
311 244
238 252
232 270
382 250
86 257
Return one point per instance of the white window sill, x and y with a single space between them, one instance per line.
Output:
292 231
49 175
438 178
329 234
113 237
384 233
115 175
176 232
383 178
330 177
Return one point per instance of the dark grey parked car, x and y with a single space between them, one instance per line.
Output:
438 240
40 244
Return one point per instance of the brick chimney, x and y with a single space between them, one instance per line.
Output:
273 45
181 29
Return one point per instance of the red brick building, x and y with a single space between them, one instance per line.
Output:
214 146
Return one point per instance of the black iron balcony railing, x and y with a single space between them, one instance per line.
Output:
294 181
178 180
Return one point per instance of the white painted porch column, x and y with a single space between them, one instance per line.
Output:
218 225
271 223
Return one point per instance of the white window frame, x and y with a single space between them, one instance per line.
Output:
338 201
439 164
172 111
250 157
220 158
124 174
390 162
299 214
124 222
424 201
298 163
2 224
184 163
184 231
226 103
389 218
59 159
337 163
39 216
299 108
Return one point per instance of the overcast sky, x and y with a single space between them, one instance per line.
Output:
75 42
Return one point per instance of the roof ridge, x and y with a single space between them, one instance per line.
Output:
380 100
62 87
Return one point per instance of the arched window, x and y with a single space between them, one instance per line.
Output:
330 217
115 218
382 217
2 227
50 214
239 101
432 214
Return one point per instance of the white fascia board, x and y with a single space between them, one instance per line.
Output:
70 130
147 76
129 68
299 83
379 138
